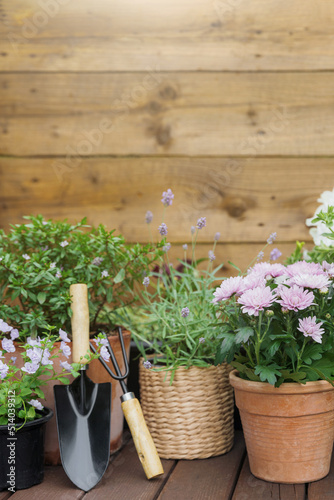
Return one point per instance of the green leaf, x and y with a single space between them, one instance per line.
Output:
31 412
268 373
243 334
119 276
312 352
41 297
64 380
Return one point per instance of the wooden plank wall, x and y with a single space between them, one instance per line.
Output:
105 104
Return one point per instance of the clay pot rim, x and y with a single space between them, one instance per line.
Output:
285 388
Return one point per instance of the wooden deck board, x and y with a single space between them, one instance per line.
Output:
209 479
226 477
250 488
125 478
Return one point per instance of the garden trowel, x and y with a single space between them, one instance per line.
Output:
83 408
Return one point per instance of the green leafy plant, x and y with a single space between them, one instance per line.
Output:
26 367
39 261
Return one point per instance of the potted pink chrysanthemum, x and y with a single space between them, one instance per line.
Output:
277 332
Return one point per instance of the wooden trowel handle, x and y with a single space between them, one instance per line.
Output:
142 438
80 322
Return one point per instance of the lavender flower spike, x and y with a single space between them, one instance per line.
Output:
201 223
167 197
163 229
185 312
217 237
185 246
260 255
147 364
275 254
166 247
146 281
272 238
211 256
148 217
201 340
192 229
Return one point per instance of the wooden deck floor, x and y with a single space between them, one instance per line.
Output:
225 478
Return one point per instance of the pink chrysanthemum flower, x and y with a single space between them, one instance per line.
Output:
295 298
310 280
328 268
303 267
267 270
310 328
256 299
253 281
229 287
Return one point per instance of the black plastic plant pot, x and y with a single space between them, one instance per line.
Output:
22 455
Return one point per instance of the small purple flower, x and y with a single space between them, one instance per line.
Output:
14 334
272 238
97 261
166 247
275 254
217 237
3 369
66 365
30 368
37 404
58 274
105 353
260 255
185 312
36 342
4 327
13 359
44 249
201 340
35 354
146 281
26 256
45 360
66 349
163 229
201 223
52 265
148 217
105 274
192 229
63 335
185 247
167 197
211 256
100 342
7 345
64 243
147 364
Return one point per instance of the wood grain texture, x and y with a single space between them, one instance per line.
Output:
251 488
212 114
245 200
55 486
221 34
209 479
125 478
323 490
4 495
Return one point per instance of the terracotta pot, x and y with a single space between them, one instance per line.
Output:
288 430
97 374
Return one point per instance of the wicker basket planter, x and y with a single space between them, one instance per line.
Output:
193 417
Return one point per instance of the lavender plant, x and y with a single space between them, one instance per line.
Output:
39 261
177 320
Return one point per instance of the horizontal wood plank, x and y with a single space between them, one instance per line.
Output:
239 114
125 478
245 200
251 488
56 486
323 489
209 479
104 35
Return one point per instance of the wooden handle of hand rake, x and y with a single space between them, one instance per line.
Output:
142 438
80 322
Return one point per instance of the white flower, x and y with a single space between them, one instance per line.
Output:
104 274
26 256
64 243
37 404
326 199
52 265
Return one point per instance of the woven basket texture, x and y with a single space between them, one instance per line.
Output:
193 417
